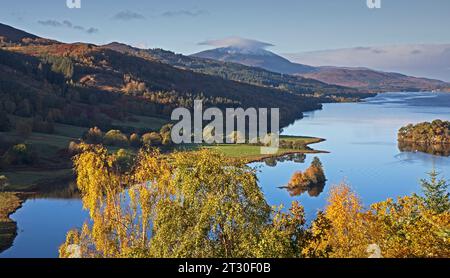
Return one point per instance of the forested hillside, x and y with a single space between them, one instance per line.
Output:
241 73
73 77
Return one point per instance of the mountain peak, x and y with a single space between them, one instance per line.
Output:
254 57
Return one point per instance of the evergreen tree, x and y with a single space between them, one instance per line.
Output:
436 197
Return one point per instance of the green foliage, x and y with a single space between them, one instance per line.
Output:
437 197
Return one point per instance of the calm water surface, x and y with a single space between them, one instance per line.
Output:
361 139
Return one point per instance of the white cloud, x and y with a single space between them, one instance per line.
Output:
423 60
237 42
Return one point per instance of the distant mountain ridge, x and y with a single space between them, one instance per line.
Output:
258 57
430 60
359 78
237 72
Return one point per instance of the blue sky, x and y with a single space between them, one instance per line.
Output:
180 25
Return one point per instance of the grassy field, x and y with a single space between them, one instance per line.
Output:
252 153
27 180
54 168
51 166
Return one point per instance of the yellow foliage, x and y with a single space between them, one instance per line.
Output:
402 229
201 204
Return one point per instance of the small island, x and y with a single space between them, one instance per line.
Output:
436 132
433 138
312 180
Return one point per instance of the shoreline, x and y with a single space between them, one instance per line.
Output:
311 151
10 202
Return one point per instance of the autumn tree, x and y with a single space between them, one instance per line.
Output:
165 133
115 138
402 228
198 204
285 236
152 139
202 204
312 180
406 228
347 234
135 140
94 136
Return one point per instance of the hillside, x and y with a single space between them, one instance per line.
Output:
238 72
375 80
10 35
358 78
260 58
95 80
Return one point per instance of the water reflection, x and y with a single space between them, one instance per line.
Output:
312 180
295 157
314 190
67 190
8 231
14 238
439 149
361 139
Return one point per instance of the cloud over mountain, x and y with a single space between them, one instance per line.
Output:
237 42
